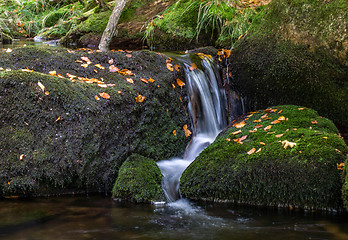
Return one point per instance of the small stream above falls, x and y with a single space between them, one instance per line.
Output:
207 108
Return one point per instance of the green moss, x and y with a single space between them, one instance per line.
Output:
70 140
139 180
345 185
304 176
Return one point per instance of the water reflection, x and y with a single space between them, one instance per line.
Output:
100 218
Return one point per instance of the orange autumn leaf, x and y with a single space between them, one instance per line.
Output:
239 125
340 166
99 66
251 151
281 118
84 65
177 67
228 139
86 59
96 98
180 83
104 95
280 111
279 135
302 108
144 80
170 66
128 55
253 131
241 139
314 122
173 85
271 110
47 93
174 132
169 60
236 132
72 77
52 73
262 143
258 125
126 72
139 98
275 121
111 61
151 80
78 61
130 80
187 131
264 116
193 66
259 120
119 92
112 68
27 70
267 128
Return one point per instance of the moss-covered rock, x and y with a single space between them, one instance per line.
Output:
139 180
296 53
345 185
288 157
67 137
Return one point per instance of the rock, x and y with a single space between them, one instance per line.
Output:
58 134
139 180
256 166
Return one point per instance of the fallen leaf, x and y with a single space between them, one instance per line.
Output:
104 95
279 135
258 125
99 66
169 60
236 132
130 80
275 121
59 118
340 166
47 93
119 92
270 132
177 67
271 110
128 55
144 80
86 59
259 150
325 137
251 151
187 131
253 131
139 98
180 83
228 139
280 111
126 72
259 120
264 116
314 122
112 68
111 61
78 61
302 108
174 132
193 66
96 98
338 150
8 50
281 118
241 139
21 157
262 143
41 86
52 73
103 85
286 144
27 70
173 85
84 65
239 125
267 128
72 77
151 80
170 66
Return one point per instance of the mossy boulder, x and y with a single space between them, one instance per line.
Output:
139 180
345 185
296 53
58 134
289 157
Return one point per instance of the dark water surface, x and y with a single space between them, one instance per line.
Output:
99 217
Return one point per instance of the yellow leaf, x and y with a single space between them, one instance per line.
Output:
169 60
47 93
286 144
52 73
187 131
78 61
27 70
262 143
21 157
59 118
72 77
174 132
84 65
151 80
139 98
41 86
99 66
253 131
180 83
325 137
104 95
173 85
170 66
236 132
130 80
251 151
281 118
86 59
267 128
8 50
302 108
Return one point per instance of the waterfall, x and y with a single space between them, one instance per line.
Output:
207 111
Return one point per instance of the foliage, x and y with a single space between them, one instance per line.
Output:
282 156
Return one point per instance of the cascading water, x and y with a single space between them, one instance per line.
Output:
207 110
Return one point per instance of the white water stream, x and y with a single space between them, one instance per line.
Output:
206 107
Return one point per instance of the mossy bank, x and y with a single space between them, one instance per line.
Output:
71 130
285 156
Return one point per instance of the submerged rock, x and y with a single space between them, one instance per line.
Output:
139 180
283 156
68 125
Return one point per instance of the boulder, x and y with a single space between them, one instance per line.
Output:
285 156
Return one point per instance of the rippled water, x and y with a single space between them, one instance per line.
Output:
97 217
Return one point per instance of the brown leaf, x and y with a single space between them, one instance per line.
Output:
239 125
